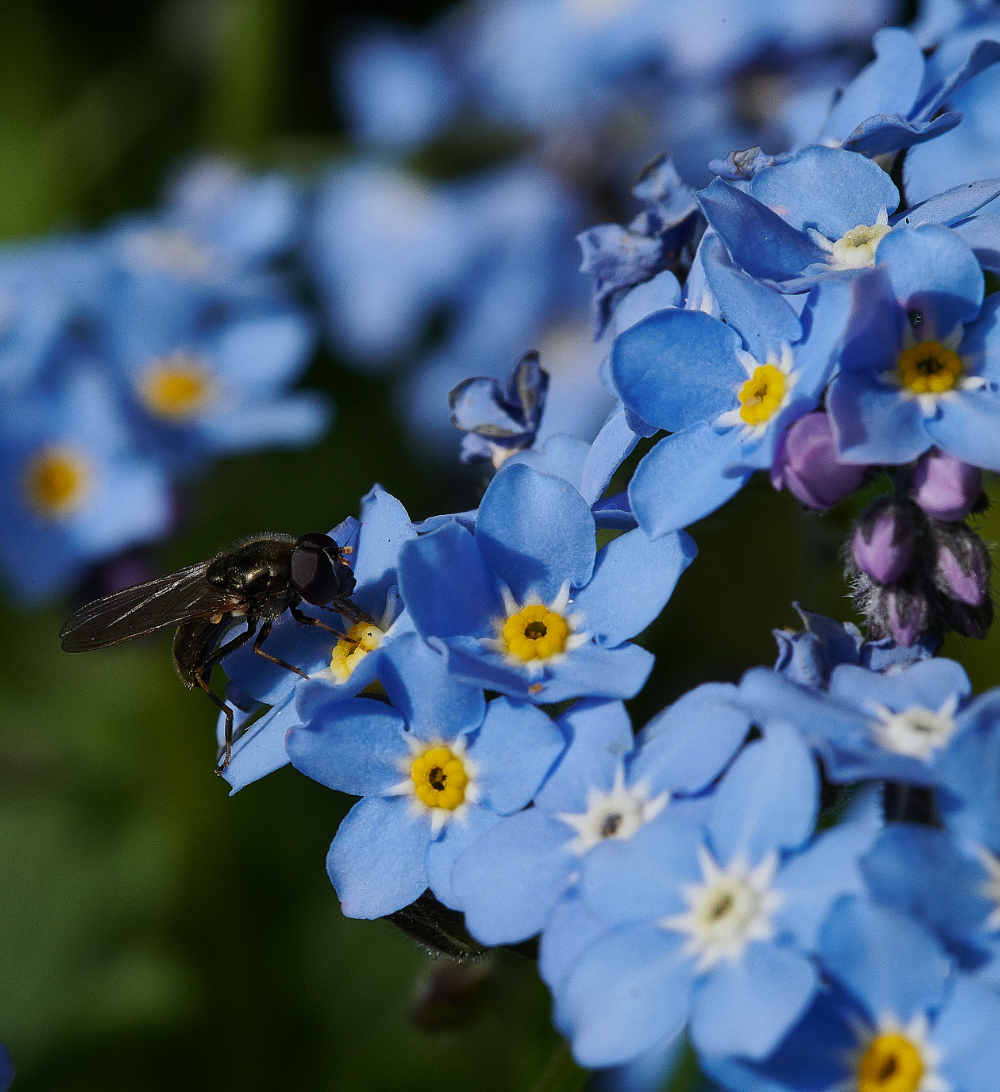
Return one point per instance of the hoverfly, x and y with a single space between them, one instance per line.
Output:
252 583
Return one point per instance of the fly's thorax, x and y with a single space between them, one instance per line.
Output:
257 572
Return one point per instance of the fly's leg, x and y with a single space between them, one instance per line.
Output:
265 629
203 673
352 611
201 676
308 620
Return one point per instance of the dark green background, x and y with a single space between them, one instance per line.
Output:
155 934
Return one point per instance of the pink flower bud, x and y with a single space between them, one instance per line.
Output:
945 487
883 546
806 464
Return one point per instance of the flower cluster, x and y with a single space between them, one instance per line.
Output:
801 870
132 356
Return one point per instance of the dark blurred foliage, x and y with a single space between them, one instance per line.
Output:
153 933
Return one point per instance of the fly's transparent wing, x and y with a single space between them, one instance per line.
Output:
133 612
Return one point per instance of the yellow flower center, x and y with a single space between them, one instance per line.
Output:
892 1063
929 368
176 387
362 639
439 778
762 394
56 481
856 248
535 633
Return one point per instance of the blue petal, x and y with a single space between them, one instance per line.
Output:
442 852
376 862
826 188
261 750
433 702
921 872
768 799
514 751
643 877
889 85
966 1033
509 880
886 133
969 772
982 234
746 1006
981 345
570 929
983 55
927 685
934 272
662 291
874 423
447 586
685 477
588 670
676 368
634 577
760 315
952 206
536 532
812 881
760 241
816 1056
969 428
385 526
610 448
600 736
875 333
351 744
264 352
891 964
296 420
629 991
685 747
561 456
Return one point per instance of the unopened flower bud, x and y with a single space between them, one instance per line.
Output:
945 487
962 571
967 587
884 540
806 464
906 615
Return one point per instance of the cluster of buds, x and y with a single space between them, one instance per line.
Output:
916 566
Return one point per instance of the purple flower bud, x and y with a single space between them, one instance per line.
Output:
962 569
806 464
945 487
967 587
906 615
883 543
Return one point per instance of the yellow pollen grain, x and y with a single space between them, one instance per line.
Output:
891 1063
762 394
929 368
176 387
535 633
439 778
346 656
56 481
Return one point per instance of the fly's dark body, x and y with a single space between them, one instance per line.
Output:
252 584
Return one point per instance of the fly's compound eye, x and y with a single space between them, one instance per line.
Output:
318 573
